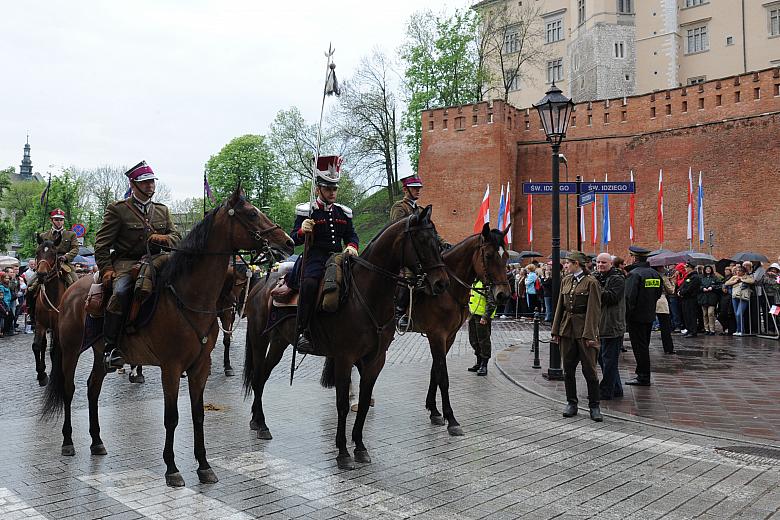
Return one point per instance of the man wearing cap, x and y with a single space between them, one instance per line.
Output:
576 328
67 249
330 226
643 288
131 228
412 186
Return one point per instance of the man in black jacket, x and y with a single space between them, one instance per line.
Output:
612 326
643 288
689 294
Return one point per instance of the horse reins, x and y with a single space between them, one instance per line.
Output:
49 276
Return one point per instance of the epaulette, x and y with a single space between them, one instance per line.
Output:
302 209
346 209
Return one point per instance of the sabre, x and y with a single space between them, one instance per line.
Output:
331 87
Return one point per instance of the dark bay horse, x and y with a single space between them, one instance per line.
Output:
181 334
478 257
232 299
357 334
51 287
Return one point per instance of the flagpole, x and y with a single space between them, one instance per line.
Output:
46 204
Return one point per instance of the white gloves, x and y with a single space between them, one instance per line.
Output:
308 225
350 250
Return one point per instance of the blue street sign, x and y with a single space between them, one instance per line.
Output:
608 187
545 188
587 198
79 229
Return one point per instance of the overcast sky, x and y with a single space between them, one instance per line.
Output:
171 82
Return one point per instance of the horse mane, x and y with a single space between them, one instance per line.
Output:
184 258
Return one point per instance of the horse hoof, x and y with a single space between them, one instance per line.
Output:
68 451
98 449
43 381
174 480
207 476
137 379
253 425
362 456
455 431
229 372
264 434
345 461
437 420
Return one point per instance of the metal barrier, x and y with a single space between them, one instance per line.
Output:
767 322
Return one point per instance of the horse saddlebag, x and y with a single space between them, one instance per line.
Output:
331 283
95 304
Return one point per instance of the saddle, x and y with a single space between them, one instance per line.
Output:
329 295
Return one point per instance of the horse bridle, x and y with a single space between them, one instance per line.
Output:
53 272
420 271
257 234
490 282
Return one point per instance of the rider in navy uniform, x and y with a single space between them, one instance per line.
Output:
331 227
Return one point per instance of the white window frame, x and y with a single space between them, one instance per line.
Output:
552 33
515 84
773 16
580 12
619 50
555 70
699 37
695 3
697 80
625 6
511 40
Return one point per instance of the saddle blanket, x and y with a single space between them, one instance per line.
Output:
277 315
93 327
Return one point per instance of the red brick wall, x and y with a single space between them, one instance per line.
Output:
738 158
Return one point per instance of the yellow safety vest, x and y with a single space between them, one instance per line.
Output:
477 302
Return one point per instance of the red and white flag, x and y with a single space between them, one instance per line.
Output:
689 236
660 216
530 209
631 213
508 218
483 216
594 233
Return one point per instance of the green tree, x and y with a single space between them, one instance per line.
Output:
249 159
22 205
5 179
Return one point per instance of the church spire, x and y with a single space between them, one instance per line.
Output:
25 169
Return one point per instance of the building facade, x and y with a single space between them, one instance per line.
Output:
600 49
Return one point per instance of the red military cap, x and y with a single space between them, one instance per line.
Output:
57 213
140 172
412 181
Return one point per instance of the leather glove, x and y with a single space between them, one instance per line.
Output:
158 239
307 226
62 259
350 250
108 276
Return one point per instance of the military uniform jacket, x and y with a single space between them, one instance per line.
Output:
578 312
126 230
405 207
69 244
333 228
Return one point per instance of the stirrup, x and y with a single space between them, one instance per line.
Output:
403 322
304 345
112 360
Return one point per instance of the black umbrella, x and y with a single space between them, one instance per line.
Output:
86 251
749 256
660 252
530 254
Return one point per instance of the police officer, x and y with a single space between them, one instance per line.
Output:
330 225
643 288
482 306
576 328
67 249
412 186
130 228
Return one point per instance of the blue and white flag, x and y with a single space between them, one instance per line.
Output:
606 228
501 210
700 209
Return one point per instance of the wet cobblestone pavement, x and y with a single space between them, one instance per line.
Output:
518 459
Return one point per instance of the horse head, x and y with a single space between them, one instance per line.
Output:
46 255
421 252
490 262
251 228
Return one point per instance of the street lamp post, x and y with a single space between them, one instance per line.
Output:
554 111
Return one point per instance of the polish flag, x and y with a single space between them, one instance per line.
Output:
508 218
631 214
660 218
484 212
690 205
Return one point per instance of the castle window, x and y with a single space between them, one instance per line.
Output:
719 100
555 70
698 40
694 3
554 32
625 6
774 20
580 12
511 40
697 80
512 80
620 51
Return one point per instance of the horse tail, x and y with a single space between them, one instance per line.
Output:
248 364
54 397
328 379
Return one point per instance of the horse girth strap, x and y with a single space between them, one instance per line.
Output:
182 306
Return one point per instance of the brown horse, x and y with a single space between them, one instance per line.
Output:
478 257
51 287
232 299
357 334
181 333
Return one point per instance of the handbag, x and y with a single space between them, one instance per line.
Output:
744 291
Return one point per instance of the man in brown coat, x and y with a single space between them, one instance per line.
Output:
576 328
131 228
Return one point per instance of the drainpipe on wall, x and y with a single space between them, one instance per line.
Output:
744 42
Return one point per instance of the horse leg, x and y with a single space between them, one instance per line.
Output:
39 351
226 358
198 376
368 376
264 365
442 376
343 371
94 385
69 360
136 374
170 382
430 399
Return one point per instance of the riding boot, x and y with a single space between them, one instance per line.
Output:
482 370
476 365
112 357
401 304
306 304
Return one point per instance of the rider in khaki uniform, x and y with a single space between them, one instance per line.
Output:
576 328
67 250
131 228
412 186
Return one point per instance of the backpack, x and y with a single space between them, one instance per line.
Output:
538 284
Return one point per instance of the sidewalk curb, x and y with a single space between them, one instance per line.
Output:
644 420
